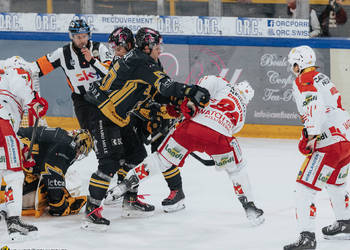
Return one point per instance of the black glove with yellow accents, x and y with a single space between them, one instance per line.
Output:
198 95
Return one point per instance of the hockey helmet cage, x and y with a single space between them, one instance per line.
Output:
303 56
121 36
245 90
83 140
147 37
78 26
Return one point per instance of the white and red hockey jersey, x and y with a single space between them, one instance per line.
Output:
16 91
226 111
319 104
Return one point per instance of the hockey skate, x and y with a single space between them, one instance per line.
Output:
94 221
306 241
133 207
255 215
19 231
174 202
339 230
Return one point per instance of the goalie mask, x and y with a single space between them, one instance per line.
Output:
83 141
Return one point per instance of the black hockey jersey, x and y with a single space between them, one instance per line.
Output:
131 81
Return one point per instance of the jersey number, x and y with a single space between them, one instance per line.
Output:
228 108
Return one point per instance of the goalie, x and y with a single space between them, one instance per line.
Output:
54 151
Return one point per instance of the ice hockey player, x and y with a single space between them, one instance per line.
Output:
133 80
223 117
120 148
54 151
152 119
16 94
325 142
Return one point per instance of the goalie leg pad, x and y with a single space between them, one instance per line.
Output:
68 205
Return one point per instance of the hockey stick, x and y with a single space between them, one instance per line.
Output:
208 163
32 139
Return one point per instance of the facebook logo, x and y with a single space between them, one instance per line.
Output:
270 23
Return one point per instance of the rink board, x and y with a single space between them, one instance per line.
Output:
261 61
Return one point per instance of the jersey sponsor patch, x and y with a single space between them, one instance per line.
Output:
223 161
343 173
2 158
323 176
237 149
14 157
312 167
173 152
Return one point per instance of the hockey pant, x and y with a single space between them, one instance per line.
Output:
188 137
326 167
10 149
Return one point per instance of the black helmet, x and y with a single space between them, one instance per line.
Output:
78 26
147 36
121 36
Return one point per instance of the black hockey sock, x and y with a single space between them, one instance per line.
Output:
173 178
99 184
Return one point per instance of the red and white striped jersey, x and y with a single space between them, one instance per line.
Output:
16 91
319 104
226 111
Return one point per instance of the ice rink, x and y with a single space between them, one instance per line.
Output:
213 218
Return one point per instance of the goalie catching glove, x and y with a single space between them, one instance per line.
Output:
38 106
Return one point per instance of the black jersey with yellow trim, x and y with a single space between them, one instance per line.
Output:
131 81
49 143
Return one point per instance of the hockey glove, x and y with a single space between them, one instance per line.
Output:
188 109
38 106
198 95
28 161
306 146
173 110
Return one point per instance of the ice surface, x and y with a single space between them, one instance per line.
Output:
213 218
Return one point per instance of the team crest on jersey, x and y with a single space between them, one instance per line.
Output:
72 62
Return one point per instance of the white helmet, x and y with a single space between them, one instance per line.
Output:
19 62
303 56
245 90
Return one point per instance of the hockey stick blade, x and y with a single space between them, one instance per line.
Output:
205 162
